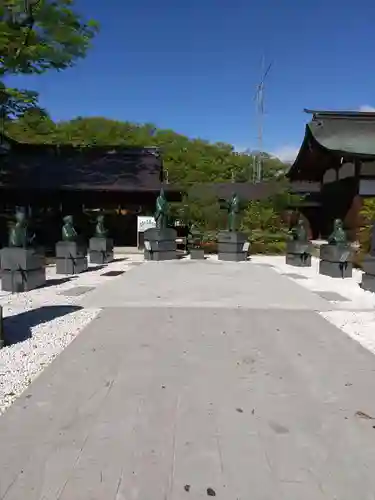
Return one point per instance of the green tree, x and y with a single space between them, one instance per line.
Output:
188 161
59 38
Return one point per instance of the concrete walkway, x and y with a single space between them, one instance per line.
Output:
251 397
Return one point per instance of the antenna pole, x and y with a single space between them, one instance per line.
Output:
259 102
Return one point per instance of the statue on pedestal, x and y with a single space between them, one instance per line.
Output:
233 210
18 235
100 230
338 235
68 232
161 211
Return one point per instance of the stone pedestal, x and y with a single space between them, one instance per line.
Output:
197 253
160 244
336 261
298 253
232 246
23 269
100 250
70 257
368 278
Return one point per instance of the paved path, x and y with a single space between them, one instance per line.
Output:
256 402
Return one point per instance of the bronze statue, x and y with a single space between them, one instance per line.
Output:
338 235
298 232
68 231
100 230
161 211
233 210
18 235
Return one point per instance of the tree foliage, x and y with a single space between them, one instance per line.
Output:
187 161
59 38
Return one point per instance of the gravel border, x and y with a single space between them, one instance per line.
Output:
39 335
40 324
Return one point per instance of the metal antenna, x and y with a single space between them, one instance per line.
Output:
259 100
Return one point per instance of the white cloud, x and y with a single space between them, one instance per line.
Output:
367 108
286 153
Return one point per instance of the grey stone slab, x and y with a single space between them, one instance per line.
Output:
112 273
332 296
368 282
75 265
23 281
252 405
99 257
295 276
182 283
298 260
232 256
76 291
336 269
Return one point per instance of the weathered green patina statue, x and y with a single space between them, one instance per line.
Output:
161 211
68 231
18 235
100 230
233 210
338 235
298 232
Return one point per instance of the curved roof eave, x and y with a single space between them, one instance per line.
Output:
344 136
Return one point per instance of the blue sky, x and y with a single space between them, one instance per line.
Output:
193 66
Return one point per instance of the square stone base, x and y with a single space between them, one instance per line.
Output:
232 256
336 269
14 258
100 257
70 249
160 255
336 253
71 266
298 260
232 246
160 244
100 244
299 247
197 253
368 265
368 282
23 281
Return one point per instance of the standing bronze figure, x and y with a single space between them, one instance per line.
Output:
18 235
161 211
233 210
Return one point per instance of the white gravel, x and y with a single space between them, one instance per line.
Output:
38 345
41 323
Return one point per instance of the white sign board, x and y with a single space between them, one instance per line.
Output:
246 246
145 222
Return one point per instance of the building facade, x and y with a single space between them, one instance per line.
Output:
336 166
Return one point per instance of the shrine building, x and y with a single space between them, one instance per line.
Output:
335 169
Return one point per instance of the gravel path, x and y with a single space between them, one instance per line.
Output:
41 323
